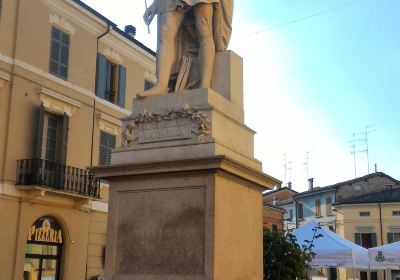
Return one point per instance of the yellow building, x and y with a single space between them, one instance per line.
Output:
370 220
67 77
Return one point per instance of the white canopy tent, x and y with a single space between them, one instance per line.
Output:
387 256
331 250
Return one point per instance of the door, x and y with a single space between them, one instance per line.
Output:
43 251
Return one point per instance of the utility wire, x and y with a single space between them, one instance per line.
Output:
303 18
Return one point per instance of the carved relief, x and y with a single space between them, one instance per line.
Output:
176 124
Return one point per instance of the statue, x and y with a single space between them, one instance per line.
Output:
189 34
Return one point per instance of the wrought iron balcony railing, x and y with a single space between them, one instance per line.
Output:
53 175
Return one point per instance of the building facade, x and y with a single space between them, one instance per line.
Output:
370 220
273 217
283 198
67 77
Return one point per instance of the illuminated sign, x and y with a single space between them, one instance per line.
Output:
46 230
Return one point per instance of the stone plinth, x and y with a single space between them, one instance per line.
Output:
185 219
185 188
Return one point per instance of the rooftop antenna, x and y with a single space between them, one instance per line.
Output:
307 163
367 132
353 151
285 167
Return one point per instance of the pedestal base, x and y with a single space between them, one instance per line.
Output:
188 219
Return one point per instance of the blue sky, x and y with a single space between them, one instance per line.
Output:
315 72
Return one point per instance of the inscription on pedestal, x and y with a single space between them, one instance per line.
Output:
161 232
165 130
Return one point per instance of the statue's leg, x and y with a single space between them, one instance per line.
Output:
204 26
168 26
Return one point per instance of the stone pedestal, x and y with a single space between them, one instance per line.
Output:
185 190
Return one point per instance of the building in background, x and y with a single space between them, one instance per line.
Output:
370 220
273 217
67 77
283 198
316 203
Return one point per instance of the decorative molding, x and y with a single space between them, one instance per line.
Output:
58 103
6 59
193 121
4 76
111 54
395 227
366 228
109 124
113 106
62 23
99 206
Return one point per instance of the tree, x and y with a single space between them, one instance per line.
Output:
284 259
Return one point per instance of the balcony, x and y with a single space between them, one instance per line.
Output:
57 177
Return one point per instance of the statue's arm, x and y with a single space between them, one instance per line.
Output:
150 12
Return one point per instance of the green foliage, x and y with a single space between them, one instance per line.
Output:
284 259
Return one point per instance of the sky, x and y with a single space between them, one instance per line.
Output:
315 73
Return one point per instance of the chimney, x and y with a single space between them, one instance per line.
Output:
289 185
310 184
278 187
376 168
130 30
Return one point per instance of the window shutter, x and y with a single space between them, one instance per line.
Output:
101 76
357 238
390 237
39 131
121 86
59 53
373 240
64 139
107 143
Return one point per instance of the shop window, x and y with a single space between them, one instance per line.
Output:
366 240
111 81
59 53
43 250
107 143
393 237
364 275
396 213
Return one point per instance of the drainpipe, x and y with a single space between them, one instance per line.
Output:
93 121
95 89
380 222
295 209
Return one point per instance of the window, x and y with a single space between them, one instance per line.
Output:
107 143
111 81
59 53
365 214
317 208
366 240
396 213
393 237
300 213
328 205
364 275
274 228
147 85
291 214
52 136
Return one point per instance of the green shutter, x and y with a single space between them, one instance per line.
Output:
390 237
65 128
39 131
59 53
357 238
373 240
101 78
121 86
107 143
